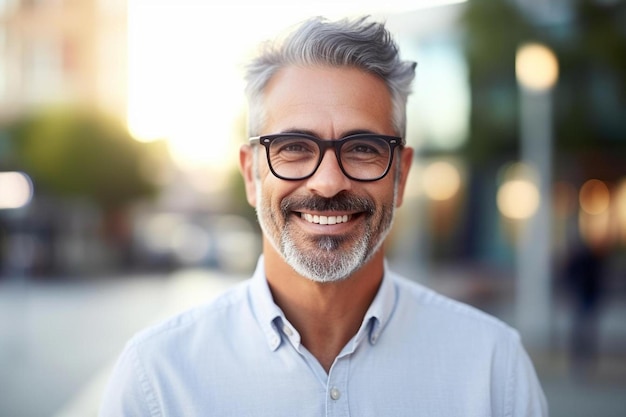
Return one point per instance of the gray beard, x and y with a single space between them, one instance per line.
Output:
328 263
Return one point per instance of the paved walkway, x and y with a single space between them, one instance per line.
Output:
58 342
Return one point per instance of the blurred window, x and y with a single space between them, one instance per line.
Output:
43 70
444 96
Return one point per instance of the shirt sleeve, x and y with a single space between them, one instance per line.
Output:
524 395
128 392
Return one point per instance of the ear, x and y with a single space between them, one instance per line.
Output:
246 165
406 160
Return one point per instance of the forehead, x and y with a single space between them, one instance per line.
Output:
327 100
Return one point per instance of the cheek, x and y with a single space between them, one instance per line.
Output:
386 192
271 191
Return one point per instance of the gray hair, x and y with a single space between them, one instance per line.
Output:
345 43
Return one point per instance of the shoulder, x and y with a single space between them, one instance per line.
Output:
445 313
203 319
436 325
171 352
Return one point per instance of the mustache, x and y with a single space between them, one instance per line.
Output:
340 202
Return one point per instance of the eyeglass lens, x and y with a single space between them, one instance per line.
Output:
360 158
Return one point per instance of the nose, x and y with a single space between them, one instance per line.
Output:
329 180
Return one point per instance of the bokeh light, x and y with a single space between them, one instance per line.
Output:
441 180
518 199
594 197
16 190
536 67
518 196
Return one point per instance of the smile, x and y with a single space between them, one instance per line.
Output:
316 219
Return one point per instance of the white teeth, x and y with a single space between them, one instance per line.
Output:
324 219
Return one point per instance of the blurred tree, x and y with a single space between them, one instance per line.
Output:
494 29
77 154
591 96
73 152
589 40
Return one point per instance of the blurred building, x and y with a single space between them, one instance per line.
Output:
62 51
57 53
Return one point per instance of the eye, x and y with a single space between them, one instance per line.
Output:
293 148
365 147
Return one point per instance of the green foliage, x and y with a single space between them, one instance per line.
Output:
494 29
590 97
80 153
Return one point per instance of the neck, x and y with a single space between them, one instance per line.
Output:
327 315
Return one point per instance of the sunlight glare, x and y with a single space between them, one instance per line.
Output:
184 85
185 61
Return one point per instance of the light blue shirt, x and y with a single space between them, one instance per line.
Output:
416 353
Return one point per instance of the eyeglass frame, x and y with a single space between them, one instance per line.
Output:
323 145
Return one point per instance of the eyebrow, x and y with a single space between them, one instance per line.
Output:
312 133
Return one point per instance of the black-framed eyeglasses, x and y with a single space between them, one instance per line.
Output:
296 156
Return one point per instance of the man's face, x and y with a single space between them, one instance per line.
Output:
327 226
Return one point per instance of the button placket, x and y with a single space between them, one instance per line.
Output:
337 388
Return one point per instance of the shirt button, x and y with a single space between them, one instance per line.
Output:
335 394
287 330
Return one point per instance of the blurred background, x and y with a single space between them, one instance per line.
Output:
121 202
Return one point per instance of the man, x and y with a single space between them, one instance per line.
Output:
323 327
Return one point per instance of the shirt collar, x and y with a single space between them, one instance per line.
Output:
271 318
379 312
263 306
